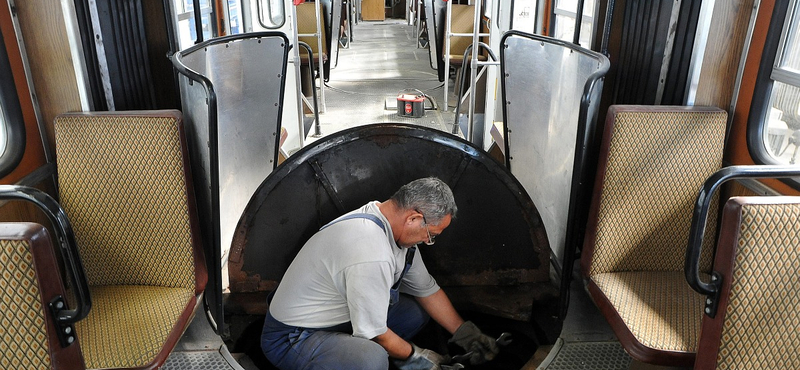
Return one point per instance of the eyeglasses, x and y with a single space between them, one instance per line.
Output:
431 238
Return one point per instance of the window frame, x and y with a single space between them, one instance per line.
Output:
260 13
587 17
10 117
761 103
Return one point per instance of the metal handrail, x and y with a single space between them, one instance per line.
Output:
472 87
213 149
69 250
476 34
582 172
317 128
697 231
213 154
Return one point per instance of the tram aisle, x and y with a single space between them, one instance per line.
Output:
382 61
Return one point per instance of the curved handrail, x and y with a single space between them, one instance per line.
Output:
467 52
66 240
582 172
213 145
699 219
317 128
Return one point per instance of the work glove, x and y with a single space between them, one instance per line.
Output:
422 359
481 347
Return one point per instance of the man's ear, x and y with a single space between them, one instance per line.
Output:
412 216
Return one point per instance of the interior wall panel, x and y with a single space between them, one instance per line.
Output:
723 54
53 77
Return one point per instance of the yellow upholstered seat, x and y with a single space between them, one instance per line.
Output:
462 21
125 183
307 23
28 283
757 324
652 163
150 313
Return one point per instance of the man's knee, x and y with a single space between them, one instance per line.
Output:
366 355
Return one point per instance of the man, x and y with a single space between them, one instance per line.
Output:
338 305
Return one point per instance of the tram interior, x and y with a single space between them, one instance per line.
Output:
521 261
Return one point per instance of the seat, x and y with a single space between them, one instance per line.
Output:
307 26
27 286
758 259
125 183
652 161
462 21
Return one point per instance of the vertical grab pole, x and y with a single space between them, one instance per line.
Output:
447 51
296 61
319 33
419 20
198 20
473 65
576 37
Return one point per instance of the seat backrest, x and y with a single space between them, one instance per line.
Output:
758 257
306 20
653 160
28 283
462 21
125 182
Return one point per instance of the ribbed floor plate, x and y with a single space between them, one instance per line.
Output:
206 360
588 355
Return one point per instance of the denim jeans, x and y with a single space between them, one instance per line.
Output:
334 348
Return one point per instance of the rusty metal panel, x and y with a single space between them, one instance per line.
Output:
497 237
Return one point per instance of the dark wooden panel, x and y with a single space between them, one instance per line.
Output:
34 156
44 33
723 53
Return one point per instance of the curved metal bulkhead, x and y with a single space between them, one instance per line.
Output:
551 96
494 257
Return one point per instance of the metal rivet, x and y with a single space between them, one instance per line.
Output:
708 310
708 300
70 340
68 330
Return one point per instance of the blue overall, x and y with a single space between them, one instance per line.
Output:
335 348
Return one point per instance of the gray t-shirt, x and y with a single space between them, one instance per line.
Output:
344 274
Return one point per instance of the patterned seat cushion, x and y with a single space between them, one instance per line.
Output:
125 184
128 324
658 307
653 161
29 281
23 334
757 325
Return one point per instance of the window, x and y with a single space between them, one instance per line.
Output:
187 32
780 130
234 17
524 15
271 13
564 14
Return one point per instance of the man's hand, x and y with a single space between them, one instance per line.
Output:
421 359
481 346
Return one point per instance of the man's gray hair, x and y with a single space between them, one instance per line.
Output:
429 196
